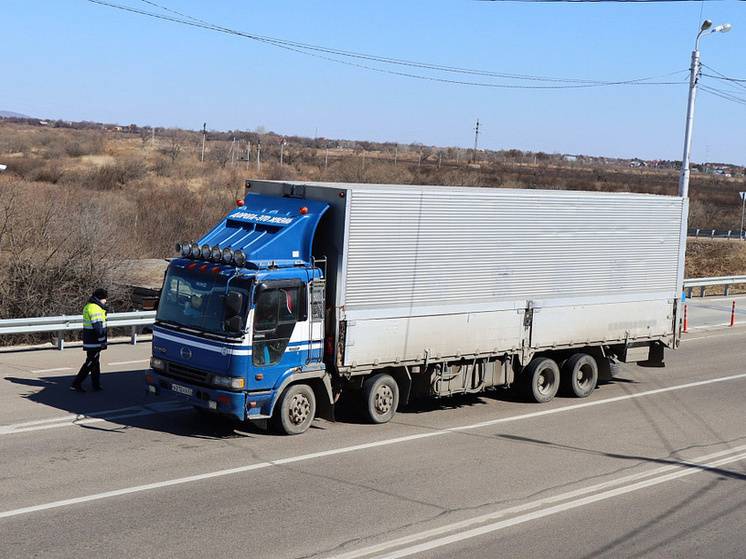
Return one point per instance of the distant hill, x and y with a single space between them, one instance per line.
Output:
11 114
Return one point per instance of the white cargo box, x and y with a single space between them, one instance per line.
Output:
432 272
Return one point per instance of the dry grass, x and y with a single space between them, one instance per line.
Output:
74 204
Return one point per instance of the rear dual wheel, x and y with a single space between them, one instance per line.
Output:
579 375
541 379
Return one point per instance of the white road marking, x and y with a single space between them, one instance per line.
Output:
684 470
52 370
706 337
712 326
455 526
599 402
345 450
71 420
115 363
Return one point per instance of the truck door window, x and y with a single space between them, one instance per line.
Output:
275 315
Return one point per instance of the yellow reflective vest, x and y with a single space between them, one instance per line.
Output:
94 326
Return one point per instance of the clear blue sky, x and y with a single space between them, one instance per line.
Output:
76 60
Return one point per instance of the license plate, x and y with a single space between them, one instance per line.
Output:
181 389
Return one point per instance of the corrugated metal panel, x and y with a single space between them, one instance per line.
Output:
416 247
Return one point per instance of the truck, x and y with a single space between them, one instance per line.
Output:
381 294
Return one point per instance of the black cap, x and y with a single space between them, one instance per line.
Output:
101 293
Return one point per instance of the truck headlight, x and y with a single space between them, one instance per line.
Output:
157 364
229 382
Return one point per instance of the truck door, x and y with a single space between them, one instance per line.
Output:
280 330
316 321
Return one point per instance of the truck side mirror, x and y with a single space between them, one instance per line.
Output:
233 304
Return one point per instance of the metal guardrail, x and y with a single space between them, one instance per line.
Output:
716 234
62 324
702 283
137 319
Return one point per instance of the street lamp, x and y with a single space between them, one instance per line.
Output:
705 29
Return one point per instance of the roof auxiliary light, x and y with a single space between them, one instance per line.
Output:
206 252
184 249
194 253
227 255
215 253
239 257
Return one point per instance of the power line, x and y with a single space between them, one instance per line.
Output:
321 52
723 94
720 76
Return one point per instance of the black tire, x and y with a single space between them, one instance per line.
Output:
380 398
541 379
295 411
579 375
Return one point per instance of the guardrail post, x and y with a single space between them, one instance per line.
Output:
726 290
702 291
60 340
133 335
689 292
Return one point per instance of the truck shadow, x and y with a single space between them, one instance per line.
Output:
124 404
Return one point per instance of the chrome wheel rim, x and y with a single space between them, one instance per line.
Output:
299 409
384 399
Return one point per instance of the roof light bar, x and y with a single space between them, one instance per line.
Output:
227 255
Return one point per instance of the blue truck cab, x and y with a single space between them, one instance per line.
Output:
240 324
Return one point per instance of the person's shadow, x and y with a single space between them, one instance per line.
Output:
125 403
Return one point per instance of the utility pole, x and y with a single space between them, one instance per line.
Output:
259 156
233 152
743 206
282 150
248 154
204 135
476 141
707 29
440 158
326 158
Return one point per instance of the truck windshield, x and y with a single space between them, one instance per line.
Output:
195 300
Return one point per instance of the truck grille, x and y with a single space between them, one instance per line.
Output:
188 374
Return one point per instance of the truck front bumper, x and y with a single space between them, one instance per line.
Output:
238 405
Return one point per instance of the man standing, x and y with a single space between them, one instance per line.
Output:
94 340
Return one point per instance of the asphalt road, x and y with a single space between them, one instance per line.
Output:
715 312
652 465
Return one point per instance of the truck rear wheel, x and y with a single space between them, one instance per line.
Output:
541 379
295 410
579 375
381 398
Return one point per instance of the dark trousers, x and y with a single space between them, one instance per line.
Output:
91 365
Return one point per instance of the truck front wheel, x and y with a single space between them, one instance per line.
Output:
381 398
295 410
541 379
